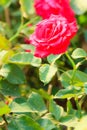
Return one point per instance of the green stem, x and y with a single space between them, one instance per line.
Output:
80 63
73 65
82 100
75 68
72 79
7 16
61 70
68 101
78 107
71 61
50 86
16 35
20 28
50 89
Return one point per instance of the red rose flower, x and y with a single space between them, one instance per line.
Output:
45 8
52 36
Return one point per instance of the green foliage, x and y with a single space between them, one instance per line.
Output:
79 53
4 43
25 58
69 93
34 104
46 124
52 58
4 109
35 93
69 121
9 89
13 74
56 110
5 3
46 72
27 7
76 78
2 54
24 123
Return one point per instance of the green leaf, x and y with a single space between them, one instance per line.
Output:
46 124
70 109
2 54
79 6
9 89
79 53
78 80
69 121
27 7
36 103
5 3
28 47
46 72
4 43
68 93
53 58
13 74
43 93
85 88
2 27
4 109
56 110
24 123
25 58
20 107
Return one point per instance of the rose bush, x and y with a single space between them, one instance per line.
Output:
45 8
52 36
49 93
